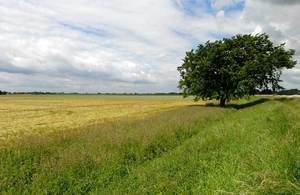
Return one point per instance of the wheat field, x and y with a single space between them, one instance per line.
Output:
38 114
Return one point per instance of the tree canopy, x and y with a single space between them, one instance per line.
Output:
234 67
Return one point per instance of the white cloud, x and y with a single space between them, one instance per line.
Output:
257 30
280 20
117 45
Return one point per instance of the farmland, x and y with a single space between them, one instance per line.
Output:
27 114
153 144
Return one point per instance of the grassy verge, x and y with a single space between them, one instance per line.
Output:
254 149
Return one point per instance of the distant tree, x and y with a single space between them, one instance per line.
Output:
3 92
289 92
234 67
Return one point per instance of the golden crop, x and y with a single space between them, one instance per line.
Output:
37 114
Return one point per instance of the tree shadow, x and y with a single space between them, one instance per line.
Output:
249 104
240 106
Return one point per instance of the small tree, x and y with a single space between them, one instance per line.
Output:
3 92
235 67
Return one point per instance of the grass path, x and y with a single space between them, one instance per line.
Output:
196 149
253 151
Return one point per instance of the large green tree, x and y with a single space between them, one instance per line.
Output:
234 67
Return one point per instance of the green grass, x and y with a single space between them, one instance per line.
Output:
195 149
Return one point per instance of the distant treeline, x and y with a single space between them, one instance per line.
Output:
75 93
289 92
169 93
262 92
281 92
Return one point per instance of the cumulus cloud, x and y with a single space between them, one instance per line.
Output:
280 20
123 46
84 40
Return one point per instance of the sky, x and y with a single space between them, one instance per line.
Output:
127 45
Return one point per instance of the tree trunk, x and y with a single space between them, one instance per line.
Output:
222 101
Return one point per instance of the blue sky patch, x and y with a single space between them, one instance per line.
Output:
239 6
85 29
196 7
219 35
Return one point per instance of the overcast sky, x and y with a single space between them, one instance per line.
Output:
126 45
